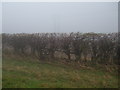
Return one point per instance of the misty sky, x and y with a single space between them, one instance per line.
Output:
0 17
30 17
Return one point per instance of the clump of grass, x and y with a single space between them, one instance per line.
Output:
30 73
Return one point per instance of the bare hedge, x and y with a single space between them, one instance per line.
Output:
86 47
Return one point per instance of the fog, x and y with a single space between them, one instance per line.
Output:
0 17
30 17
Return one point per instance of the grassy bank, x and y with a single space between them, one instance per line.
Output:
30 73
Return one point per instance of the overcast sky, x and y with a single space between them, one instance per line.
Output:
0 17
26 17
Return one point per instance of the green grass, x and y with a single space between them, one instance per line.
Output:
27 73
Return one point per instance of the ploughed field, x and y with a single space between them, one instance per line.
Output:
24 72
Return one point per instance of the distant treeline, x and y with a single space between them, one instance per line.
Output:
86 47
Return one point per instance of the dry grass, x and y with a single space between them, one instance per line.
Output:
23 72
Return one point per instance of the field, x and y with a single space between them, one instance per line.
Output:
23 72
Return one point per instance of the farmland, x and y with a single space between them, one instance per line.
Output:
29 73
60 60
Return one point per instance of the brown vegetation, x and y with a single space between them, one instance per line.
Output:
77 47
